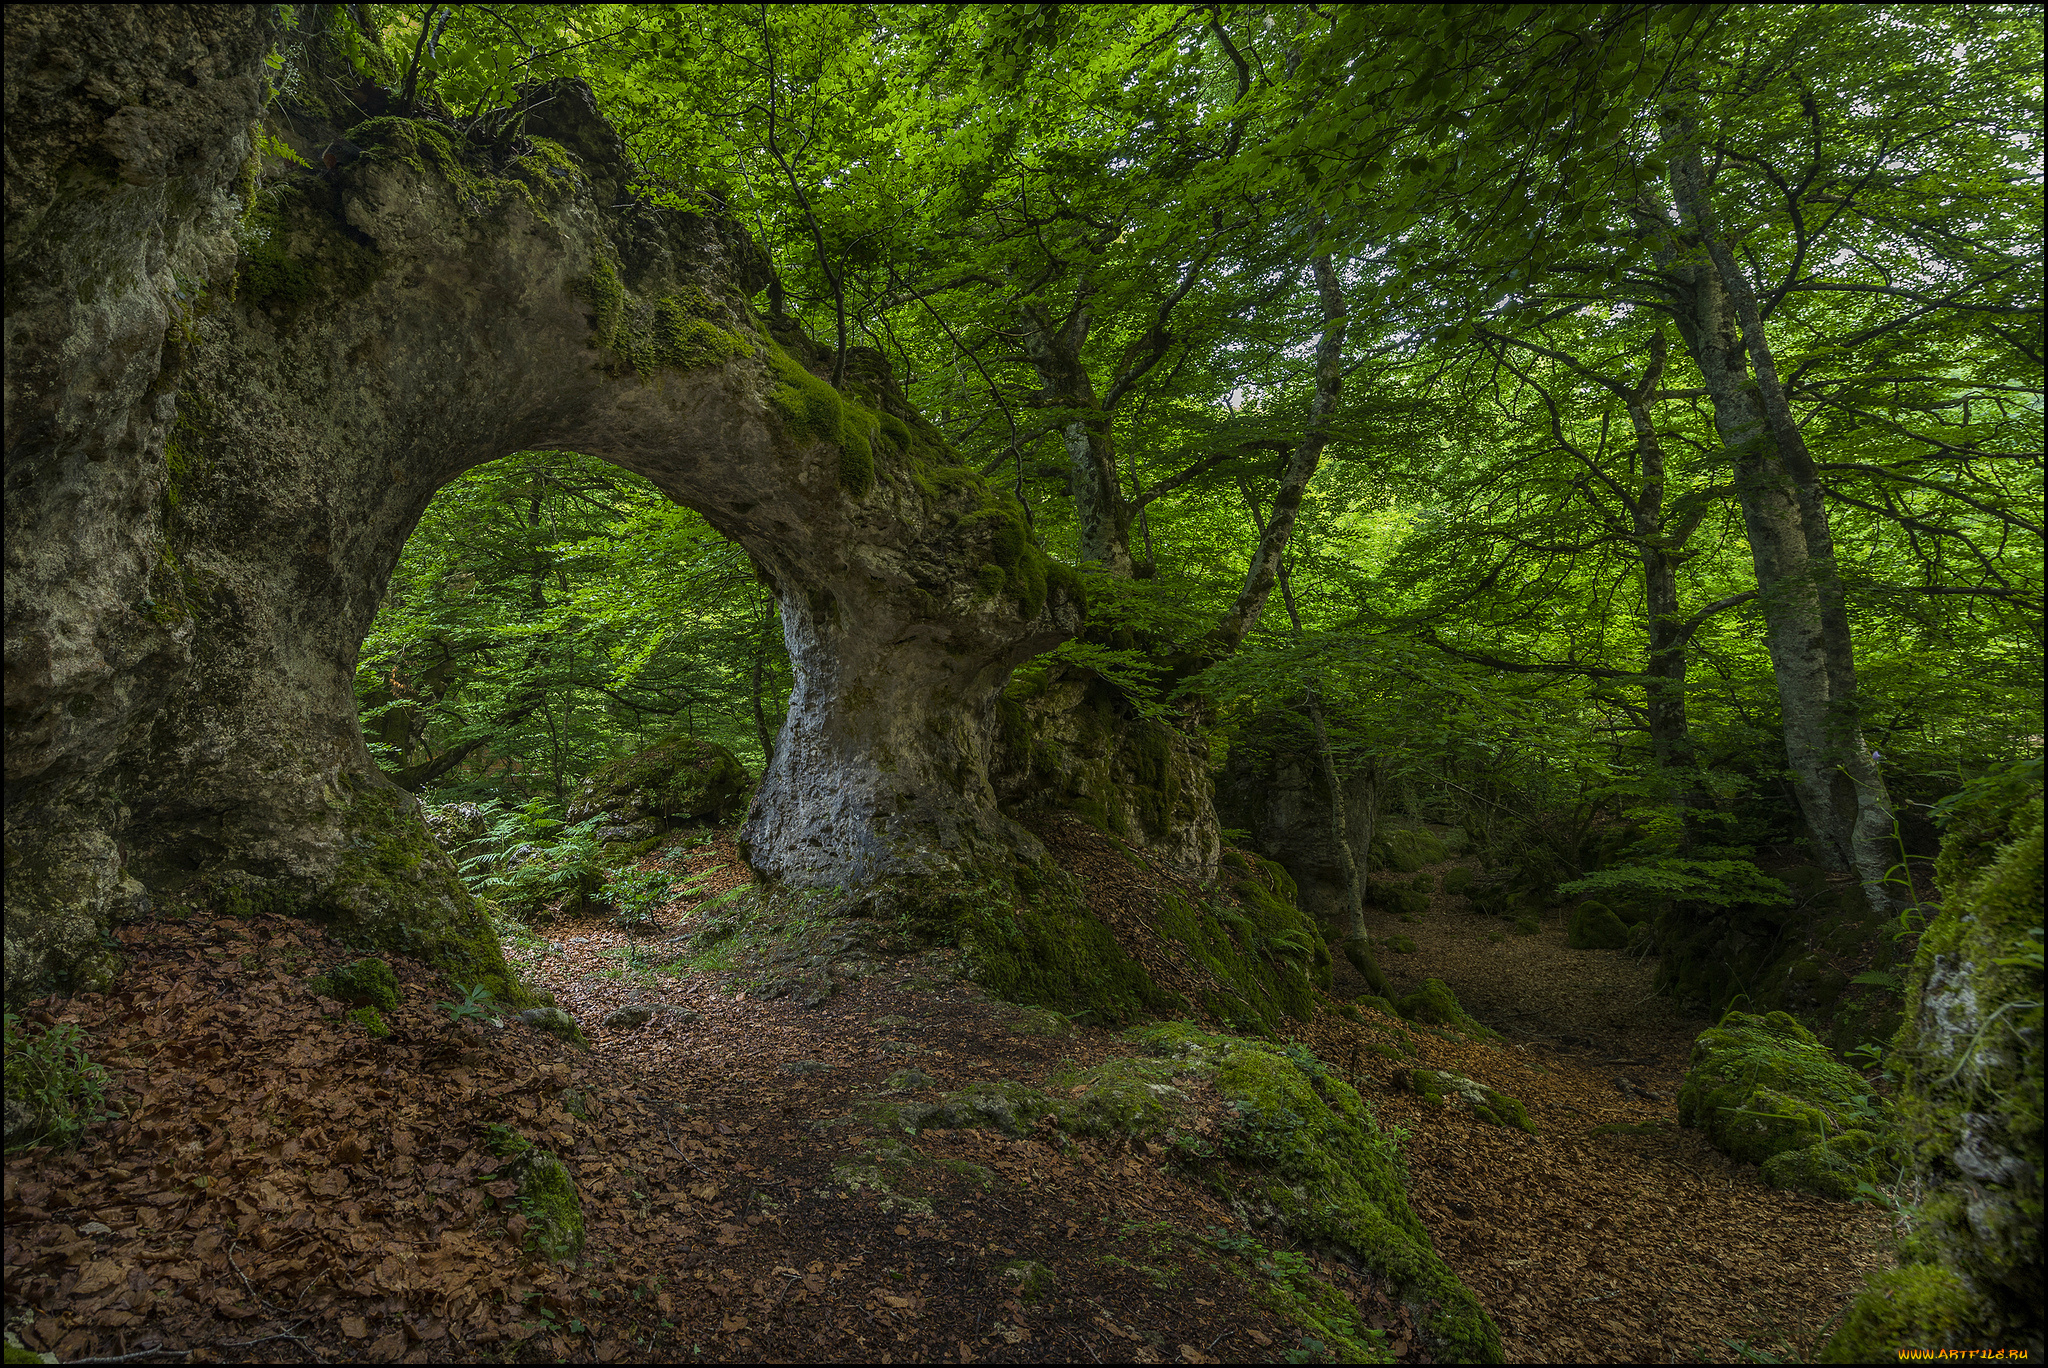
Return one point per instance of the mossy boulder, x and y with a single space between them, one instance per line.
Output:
1833 1170
1919 1306
1484 1103
365 983
548 1199
1594 926
1968 1060
1457 881
1402 897
1434 1004
1312 1156
677 780
1408 850
1762 1086
557 1023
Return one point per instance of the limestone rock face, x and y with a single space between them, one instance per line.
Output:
1969 1062
1272 787
233 385
1065 738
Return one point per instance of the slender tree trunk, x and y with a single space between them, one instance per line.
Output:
1665 667
1357 946
1099 504
1301 466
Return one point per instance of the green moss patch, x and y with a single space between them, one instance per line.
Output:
1921 1306
1483 1103
683 331
1762 1086
1594 926
365 983
814 410
1311 1154
1047 951
1269 955
396 891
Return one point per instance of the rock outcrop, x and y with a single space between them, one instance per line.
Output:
234 380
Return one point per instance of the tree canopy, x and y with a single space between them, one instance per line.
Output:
1620 406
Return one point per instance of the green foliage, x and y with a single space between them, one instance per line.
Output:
633 895
538 861
475 1005
1723 882
50 1074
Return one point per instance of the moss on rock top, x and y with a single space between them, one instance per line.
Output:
678 779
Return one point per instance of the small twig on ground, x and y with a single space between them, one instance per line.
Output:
1078 1340
130 1358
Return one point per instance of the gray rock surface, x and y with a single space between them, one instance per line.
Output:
234 384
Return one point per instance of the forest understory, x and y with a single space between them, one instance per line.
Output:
246 1210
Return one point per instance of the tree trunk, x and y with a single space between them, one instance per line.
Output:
1090 444
1860 809
387 332
1806 632
1301 466
1665 666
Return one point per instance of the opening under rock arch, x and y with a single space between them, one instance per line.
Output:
366 336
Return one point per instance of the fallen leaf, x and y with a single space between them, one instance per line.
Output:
97 1276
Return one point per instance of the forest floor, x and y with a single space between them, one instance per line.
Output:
282 1188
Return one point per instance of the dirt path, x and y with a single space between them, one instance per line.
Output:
284 1189
1615 1236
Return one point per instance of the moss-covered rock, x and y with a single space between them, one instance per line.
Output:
677 780
1594 926
1484 1103
1269 955
1761 1086
1458 880
365 983
1969 1066
1400 897
1434 1004
1833 1170
1409 849
1919 1306
547 1197
557 1023
1048 950
1315 1158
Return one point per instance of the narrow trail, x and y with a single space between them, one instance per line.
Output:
1615 1235
284 1189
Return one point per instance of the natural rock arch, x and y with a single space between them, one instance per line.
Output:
229 402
